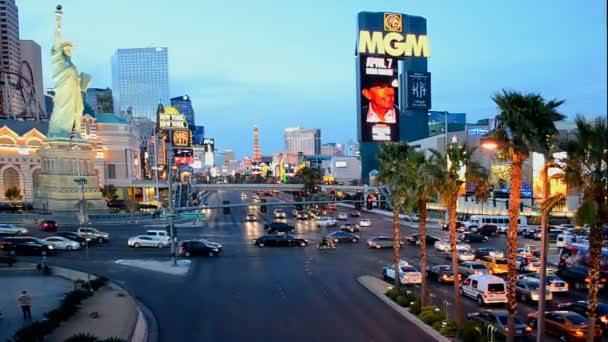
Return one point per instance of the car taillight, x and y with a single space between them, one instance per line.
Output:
579 333
181 250
604 319
528 329
603 280
587 280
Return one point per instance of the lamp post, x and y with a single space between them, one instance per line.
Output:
171 204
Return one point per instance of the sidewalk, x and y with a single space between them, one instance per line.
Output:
117 315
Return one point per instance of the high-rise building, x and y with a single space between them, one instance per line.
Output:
228 156
32 54
10 58
100 100
198 134
140 80
257 155
329 149
184 106
305 140
351 148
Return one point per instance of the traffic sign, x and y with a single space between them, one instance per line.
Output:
192 215
167 215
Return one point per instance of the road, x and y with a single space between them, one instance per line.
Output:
251 293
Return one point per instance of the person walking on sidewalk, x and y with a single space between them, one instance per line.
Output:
26 302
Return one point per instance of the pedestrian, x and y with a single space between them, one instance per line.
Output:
25 301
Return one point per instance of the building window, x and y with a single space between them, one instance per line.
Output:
12 182
111 171
87 129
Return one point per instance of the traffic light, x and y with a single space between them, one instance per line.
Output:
370 202
226 210
263 207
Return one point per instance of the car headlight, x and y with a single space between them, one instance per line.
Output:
51 247
216 250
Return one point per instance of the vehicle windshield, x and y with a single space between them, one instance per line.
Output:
501 261
577 319
477 266
445 268
496 287
503 320
408 269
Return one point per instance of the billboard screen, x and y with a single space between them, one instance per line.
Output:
181 138
418 90
379 86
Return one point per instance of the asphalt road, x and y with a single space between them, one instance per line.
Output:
251 293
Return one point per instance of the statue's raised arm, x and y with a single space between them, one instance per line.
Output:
58 18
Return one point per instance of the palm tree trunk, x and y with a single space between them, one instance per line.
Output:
514 200
422 236
457 298
595 258
396 240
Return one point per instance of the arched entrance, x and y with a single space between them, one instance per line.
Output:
12 185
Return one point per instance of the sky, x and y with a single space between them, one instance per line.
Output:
288 63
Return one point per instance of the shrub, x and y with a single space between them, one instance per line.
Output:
114 339
449 329
430 315
82 338
98 283
416 307
471 332
392 294
34 332
403 301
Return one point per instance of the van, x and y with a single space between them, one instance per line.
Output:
498 220
485 289
161 235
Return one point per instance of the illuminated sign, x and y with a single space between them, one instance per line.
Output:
183 156
478 131
341 163
393 22
418 90
181 138
393 44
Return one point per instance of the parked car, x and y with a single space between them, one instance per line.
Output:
199 247
554 283
302 215
74 237
484 288
527 265
495 265
365 222
528 290
472 267
567 325
250 218
7 229
326 221
486 229
407 274
279 227
8 260
49 225
488 251
343 237
94 234
498 319
59 242
355 213
350 227
380 242
342 217
146 241
578 277
581 306
25 246
473 238
440 273
279 240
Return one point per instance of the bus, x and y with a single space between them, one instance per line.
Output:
501 221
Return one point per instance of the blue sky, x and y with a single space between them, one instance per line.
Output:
291 63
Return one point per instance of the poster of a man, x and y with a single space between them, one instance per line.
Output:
381 107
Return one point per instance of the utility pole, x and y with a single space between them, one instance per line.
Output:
171 204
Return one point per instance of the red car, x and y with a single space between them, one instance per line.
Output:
49 226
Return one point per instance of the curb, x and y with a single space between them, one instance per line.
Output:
366 280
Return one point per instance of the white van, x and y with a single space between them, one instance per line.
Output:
161 235
485 289
498 220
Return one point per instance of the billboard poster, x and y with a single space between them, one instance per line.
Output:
379 86
181 138
418 90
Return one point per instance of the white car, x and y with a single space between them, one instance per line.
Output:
146 241
59 242
444 246
326 221
526 264
342 217
554 283
365 223
407 274
11 229
463 255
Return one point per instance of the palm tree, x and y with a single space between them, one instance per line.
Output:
445 170
309 177
587 169
393 159
523 124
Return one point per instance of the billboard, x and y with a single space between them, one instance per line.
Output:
181 138
209 148
183 156
379 88
383 40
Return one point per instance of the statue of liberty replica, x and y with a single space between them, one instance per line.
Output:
68 180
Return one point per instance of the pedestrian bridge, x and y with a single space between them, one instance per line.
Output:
258 187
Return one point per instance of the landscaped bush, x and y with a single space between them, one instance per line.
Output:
430 314
82 338
98 283
34 332
416 307
471 332
403 301
392 294
449 329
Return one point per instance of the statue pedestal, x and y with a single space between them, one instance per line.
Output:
63 162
